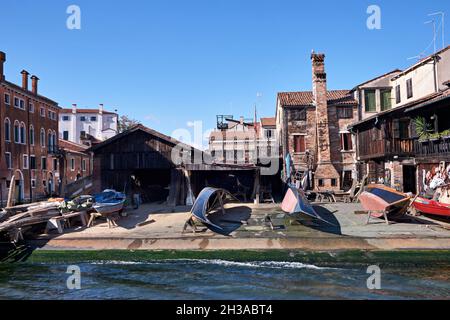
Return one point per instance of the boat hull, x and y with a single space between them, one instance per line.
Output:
379 199
108 208
432 207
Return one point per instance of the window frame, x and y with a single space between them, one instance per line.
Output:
366 100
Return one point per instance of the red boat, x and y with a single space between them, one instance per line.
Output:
380 200
432 207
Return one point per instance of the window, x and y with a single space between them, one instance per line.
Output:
19 103
33 163
16 132
333 182
55 164
33 183
370 100
8 160
347 180
409 88
7 99
42 112
52 115
93 119
65 118
83 134
344 112
269 134
398 97
25 161
320 182
386 102
299 144
82 118
42 137
44 183
7 130
31 107
346 142
72 164
22 133
298 115
83 165
65 135
32 135
43 163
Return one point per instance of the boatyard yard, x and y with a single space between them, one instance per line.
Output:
154 227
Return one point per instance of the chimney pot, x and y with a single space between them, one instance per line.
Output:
2 62
25 75
34 84
74 108
100 108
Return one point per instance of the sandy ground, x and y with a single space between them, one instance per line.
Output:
156 227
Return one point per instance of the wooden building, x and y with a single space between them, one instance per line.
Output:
392 148
142 161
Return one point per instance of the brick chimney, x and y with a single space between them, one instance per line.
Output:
34 84
25 75
2 63
325 171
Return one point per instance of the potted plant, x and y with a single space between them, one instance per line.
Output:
423 129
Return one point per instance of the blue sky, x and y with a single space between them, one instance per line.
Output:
167 62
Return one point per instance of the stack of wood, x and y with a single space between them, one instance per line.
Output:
15 220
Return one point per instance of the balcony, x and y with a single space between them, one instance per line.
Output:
433 148
386 148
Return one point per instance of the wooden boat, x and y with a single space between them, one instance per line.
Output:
382 201
296 203
432 207
109 201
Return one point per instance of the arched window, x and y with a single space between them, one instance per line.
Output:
32 135
7 130
23 133
16 132
42 137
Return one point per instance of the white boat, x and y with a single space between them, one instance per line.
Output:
109 201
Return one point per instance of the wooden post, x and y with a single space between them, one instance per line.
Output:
12 187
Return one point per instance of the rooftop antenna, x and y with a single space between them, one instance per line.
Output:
442 14
434 33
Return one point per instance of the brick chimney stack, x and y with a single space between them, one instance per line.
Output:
2 63
325 171
25 75
34 84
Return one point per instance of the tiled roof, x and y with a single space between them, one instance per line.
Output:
268 122
86 111
305 98
72 146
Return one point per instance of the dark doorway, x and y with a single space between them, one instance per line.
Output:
409 179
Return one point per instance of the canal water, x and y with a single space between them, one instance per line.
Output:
218 279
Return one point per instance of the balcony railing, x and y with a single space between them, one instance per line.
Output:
383 148
433 147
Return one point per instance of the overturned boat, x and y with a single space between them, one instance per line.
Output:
208 200
296 204
109 201
382 201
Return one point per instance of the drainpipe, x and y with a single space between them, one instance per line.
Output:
435 65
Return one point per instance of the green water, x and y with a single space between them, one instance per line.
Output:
227 275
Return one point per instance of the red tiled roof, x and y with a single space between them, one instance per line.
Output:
86 111
268 122
305 98
72 146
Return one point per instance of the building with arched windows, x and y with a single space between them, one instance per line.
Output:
28 140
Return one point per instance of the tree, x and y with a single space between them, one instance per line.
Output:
125 123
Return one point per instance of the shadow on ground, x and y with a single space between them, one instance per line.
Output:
329 225
231 221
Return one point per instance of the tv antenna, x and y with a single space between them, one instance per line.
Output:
442 14
434 33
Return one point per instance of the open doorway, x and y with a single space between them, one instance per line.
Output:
409 179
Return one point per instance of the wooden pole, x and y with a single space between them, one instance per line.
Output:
12 187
